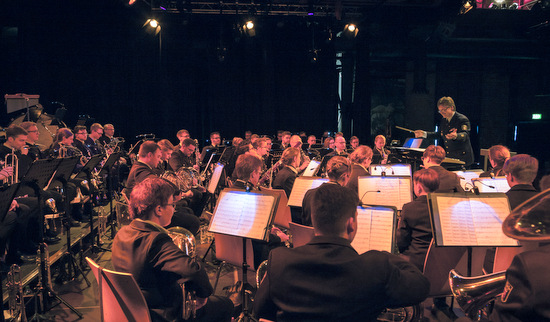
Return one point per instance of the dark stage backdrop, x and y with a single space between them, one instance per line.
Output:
94 57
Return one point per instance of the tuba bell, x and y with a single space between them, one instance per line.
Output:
185 241
473 293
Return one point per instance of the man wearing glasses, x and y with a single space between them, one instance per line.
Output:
454 129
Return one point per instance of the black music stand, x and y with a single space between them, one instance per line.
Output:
6 196
106 170
62 174
37 176
252 223
322 168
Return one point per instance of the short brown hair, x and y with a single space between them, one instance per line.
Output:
288 155
165 145
14 131
95 127
428 178
27 125
147 195
333 205
499 154
147 147
361 154
435 153
523 167
245 165
447 102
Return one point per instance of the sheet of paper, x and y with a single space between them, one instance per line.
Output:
242 214
391 169
374 229
311 168
215 178
492 185
385 191
301 186
466 178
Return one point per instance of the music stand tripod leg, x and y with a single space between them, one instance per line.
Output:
245 314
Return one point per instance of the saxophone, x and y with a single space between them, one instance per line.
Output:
16 297
185 241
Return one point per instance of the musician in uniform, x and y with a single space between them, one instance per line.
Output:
448 181
380 153
285 140
166 149
498 154
339 147
96 132
354 142
287 175
327 280
81 141
454 129
185 156
32 137
361 160
108 134
145 250
414 231
520 171
338 172
296 142
146 167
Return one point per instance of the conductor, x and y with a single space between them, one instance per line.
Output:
454 130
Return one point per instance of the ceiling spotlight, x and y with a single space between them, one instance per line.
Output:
248 28
152 26
249 25
351 29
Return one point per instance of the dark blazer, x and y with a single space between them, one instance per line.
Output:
179 159
414 232
495 172
519 193
448 181
526 295
377 156
356 172
460 148
307 204
139 172
326 280
158 267
285 180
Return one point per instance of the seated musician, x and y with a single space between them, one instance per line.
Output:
339 147
96 132
81 141
259 148
380 153
414 232
498 154
32 137
448 181
311 140
166 149
185 156
361 160
146 167
327 280
108 134
287 175
354 142
329 143
521 171
285 140
338 172
296 142
145 250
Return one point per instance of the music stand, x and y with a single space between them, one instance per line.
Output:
465 219
246 214
106 171
375 229
62 174
37 176
385 191
323 165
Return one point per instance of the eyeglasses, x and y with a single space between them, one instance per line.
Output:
443 109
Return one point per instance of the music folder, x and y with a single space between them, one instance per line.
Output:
397 169
246 214
300 187
215 178
283 216
467 177
311 169
498 184
465 219
375 229
392 191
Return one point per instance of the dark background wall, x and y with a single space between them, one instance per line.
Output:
94 57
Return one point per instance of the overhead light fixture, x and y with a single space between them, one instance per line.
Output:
351 29
152 26
249 28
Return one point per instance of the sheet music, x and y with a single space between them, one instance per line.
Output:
301 186
241 213
385 191
474 221
492 185
374 229
391 170
467 177
215 178
311 168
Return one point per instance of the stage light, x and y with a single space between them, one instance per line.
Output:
351 30
249 28
249 25
152 26
153 23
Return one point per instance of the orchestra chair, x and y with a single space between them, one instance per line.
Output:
301 234
120 298
441 260
229 250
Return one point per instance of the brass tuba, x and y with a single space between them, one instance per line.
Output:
473 293
185 241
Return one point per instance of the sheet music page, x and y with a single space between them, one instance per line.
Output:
374 229
242 214
488 215
393 191
391 170
301 186
457 224
311 168
492 185
215 178
467 177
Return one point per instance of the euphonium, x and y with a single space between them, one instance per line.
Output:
16 297
473 293
185 241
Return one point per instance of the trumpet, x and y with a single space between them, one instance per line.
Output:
473 293
11 160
